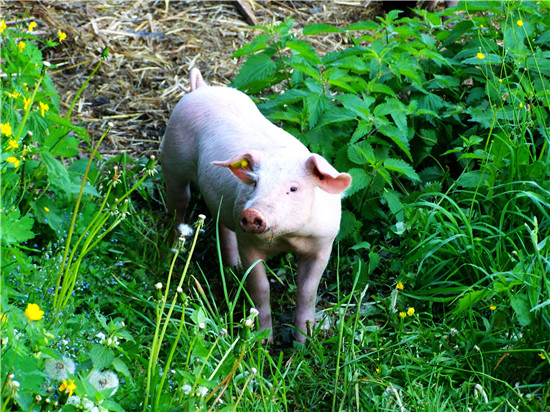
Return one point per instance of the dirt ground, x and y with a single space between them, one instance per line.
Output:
153 45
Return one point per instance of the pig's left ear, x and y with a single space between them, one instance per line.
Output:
327 176
242 165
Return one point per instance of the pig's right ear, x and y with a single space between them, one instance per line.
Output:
242 165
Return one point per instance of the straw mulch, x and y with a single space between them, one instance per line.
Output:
153 45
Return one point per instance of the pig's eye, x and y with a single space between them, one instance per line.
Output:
293 189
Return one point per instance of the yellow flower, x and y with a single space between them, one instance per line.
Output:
46 209
500 80
14 95
2 26
5 129
13 160
492 307
410 311
480 56
26 103
68 385
4 318
33 312
43 108
542 356
21 46
32 26
377 370
62 36
481 25
12 144
399 286
519 23
403 314
521 105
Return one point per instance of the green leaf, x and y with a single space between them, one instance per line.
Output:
470 299
102 357
348 223
259 43
472 179
400 166
305 50
395 205
359 181
361 153
337 115
317 28
520 304
256 67
121 367
398 137
316 104
16 229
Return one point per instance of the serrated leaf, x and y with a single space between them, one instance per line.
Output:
362 129
470 299
347 224
305 50
317 28
256 67
259 43
363 25
361 153
381 88
101 356
359 181
472 179
400 166
337 115
398 137
16 229
316 104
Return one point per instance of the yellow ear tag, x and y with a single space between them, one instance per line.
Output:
239 164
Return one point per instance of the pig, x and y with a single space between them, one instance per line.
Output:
272 193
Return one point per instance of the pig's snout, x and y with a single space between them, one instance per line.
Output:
252 221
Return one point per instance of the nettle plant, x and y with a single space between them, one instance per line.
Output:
412 106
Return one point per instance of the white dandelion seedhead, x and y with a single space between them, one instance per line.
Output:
104 380
59 369
185 230
254 312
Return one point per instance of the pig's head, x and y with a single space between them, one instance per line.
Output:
286 193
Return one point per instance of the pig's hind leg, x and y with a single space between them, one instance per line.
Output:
177 197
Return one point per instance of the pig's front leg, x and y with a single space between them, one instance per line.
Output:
257 286
228 246
310 269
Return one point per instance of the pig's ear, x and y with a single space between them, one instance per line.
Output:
327 176
242 165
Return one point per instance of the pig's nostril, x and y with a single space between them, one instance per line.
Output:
258 222
244 221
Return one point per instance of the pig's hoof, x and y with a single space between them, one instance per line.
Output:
184 230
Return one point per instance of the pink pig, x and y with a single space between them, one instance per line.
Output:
275 195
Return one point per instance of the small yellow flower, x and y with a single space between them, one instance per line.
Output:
4 318
13 160
519 23
62 36
493 307
481 25
26 103
21 46
480 56
2 26
32 26
410 311
43 108
500 80
46 209
542 356
12 144
5 129
13 95
521 105
68 385
33 312
403 314
377 370
399 286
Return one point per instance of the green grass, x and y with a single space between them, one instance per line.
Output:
437 296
